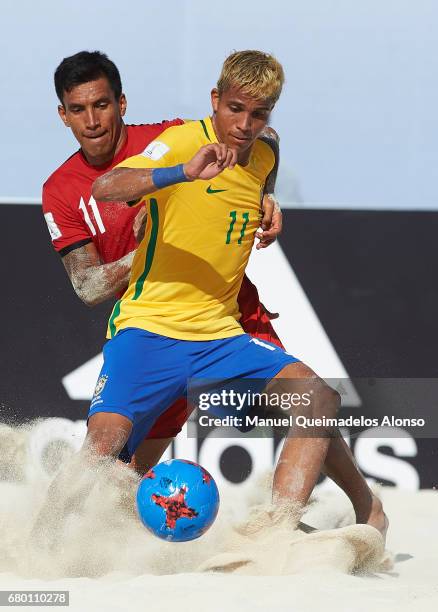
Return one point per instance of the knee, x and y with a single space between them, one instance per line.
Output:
326 402
107 434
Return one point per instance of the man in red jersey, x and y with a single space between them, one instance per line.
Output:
97 240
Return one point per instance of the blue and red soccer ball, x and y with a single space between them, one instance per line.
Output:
177 500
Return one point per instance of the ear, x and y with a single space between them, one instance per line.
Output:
123 104
63 115
214 99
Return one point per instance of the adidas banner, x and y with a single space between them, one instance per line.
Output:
356 302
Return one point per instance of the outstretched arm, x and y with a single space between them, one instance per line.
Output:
130 184
123 185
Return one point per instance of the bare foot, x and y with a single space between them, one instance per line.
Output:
377 518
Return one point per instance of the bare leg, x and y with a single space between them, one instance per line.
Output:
346 474
148 454
303 458
107 434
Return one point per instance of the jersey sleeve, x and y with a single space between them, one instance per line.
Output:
168 149
66 228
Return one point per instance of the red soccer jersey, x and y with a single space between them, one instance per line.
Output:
73 216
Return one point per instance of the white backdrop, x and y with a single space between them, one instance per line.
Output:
358 116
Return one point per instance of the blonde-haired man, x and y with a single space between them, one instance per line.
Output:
201 184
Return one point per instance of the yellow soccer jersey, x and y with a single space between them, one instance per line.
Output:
187 271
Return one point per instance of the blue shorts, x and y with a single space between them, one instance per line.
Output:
144 373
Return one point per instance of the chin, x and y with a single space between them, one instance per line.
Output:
100 152
239 146
245 147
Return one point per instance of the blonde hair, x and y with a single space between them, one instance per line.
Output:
256 73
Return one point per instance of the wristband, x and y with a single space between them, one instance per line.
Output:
163 177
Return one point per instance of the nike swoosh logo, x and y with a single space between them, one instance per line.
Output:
210 190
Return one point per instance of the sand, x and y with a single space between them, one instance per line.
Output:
108 561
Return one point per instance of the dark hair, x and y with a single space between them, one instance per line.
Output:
83 67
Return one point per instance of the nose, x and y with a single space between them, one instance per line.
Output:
244 123
91 119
